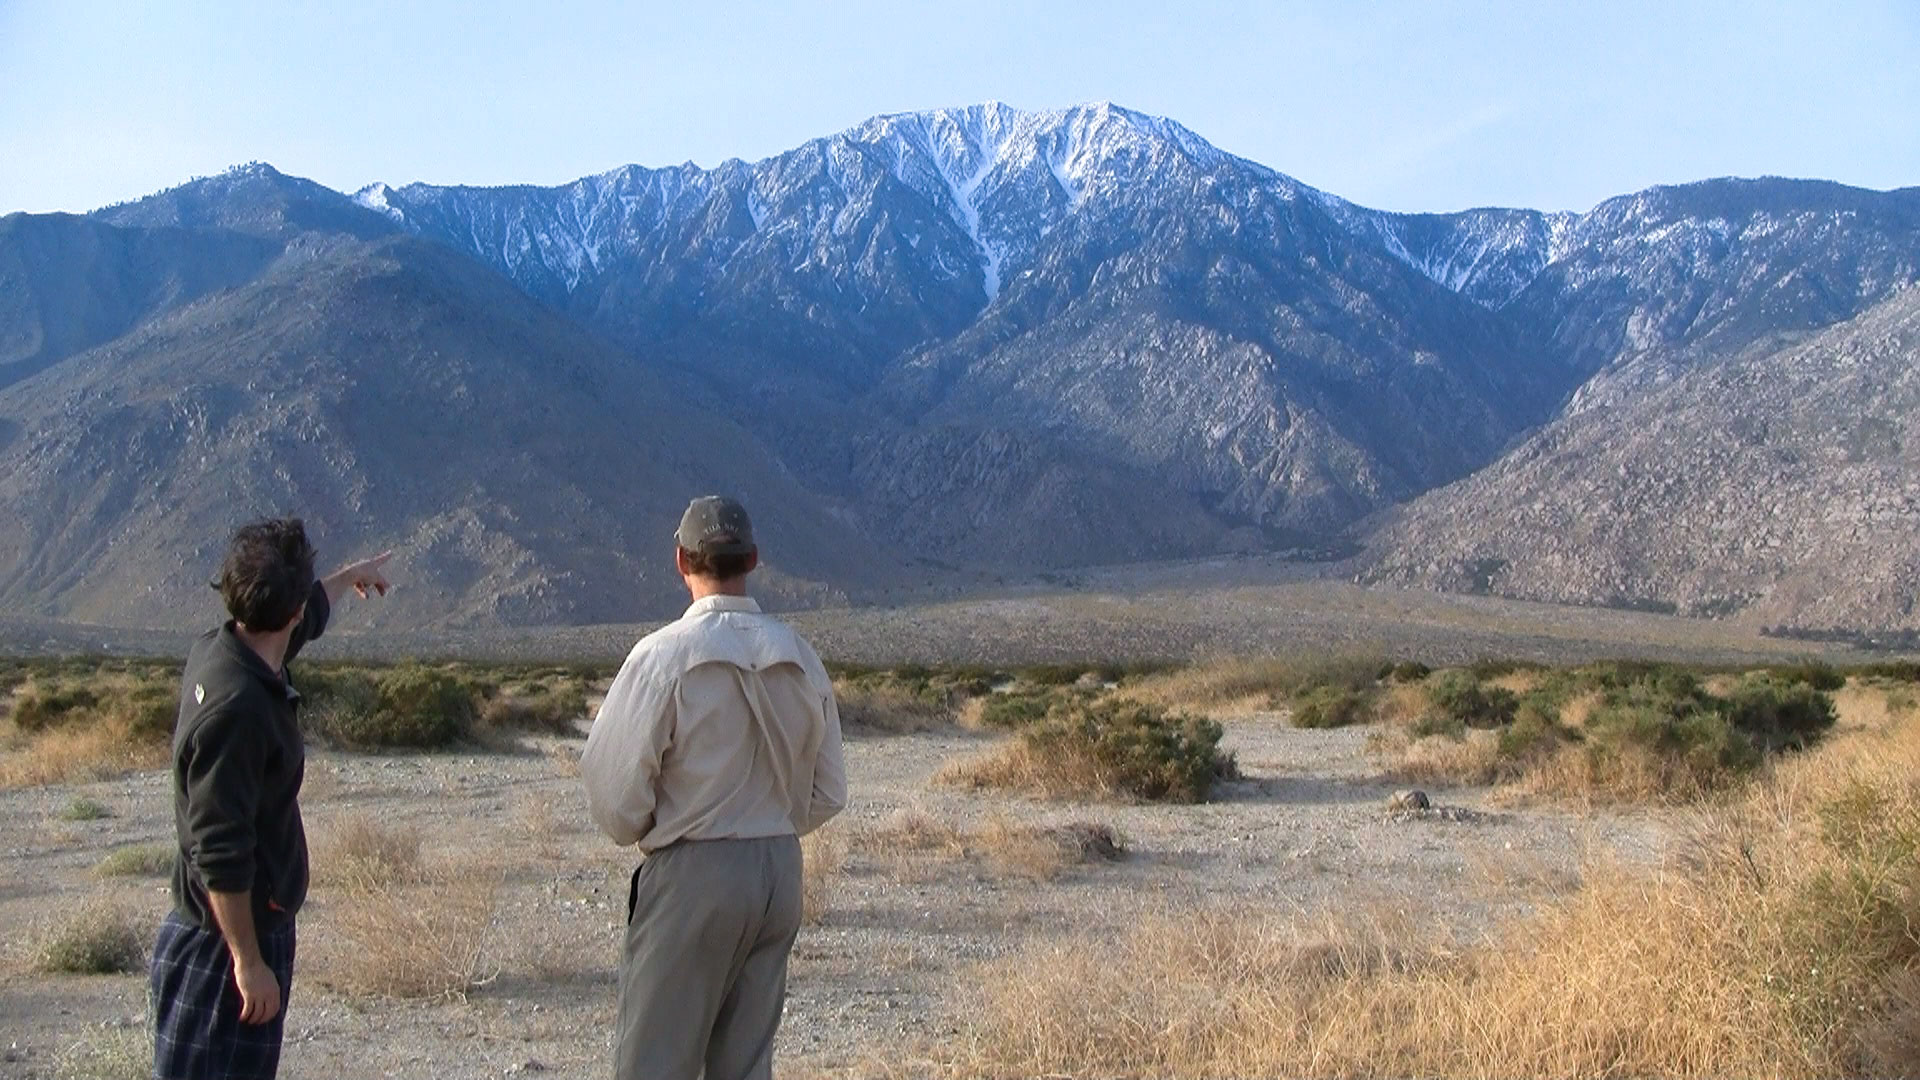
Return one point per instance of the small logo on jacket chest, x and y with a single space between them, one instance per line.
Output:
199 694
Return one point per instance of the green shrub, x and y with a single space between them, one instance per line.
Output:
37 707
1674 719
1463 701
1894 670
85 809
1143 750
409 706
1535 734
98 939
1780 716
536 706
1331 707
1017 709
1813 674
139 860
1408 671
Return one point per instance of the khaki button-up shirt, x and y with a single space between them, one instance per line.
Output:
721 725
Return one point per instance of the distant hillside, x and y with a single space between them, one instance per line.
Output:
396 395
1781 486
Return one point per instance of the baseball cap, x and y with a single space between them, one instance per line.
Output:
715 525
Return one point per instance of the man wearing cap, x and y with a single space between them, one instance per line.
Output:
717 747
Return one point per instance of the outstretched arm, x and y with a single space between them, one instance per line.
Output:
359 577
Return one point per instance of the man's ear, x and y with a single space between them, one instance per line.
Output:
753 560
680 561
298 614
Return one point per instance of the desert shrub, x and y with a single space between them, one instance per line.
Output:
823 855
1893 670
878 706
1812 674
1779 715
38 706
1353 673
140 698
410 705
1461 700
1017 709
1408 671
426 936
1331 707
99 938
1535 733
1624 729
535 705
1781 943
1044 852
82 808
1110 747
138 860
365 853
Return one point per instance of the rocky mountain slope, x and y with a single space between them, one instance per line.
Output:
1778 485
395 394
999 341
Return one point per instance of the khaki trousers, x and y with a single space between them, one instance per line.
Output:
704 977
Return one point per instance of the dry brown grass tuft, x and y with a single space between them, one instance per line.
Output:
426 935
565 759
1043 853
77 753
913 837
1223 685
1627 774
887 709
913 830
107 1054
1439 759
1016 765
362 853
824 859
1782 943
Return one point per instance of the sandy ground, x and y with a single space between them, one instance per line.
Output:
880 979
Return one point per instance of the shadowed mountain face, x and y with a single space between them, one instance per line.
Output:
70 283
395 395
993 341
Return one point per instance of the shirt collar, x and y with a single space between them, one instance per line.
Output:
720 602
243 655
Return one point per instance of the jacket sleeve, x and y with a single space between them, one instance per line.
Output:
222 772
829 773
313 623
621 763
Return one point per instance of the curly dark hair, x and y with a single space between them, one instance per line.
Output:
268 573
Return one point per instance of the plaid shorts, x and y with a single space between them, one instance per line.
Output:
197 1033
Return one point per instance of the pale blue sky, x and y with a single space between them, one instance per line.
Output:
1397 105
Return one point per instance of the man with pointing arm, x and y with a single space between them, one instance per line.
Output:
223 965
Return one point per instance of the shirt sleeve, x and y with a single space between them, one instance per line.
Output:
829 773
313 623
621 763
222 772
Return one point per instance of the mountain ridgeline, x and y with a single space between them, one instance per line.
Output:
955 346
